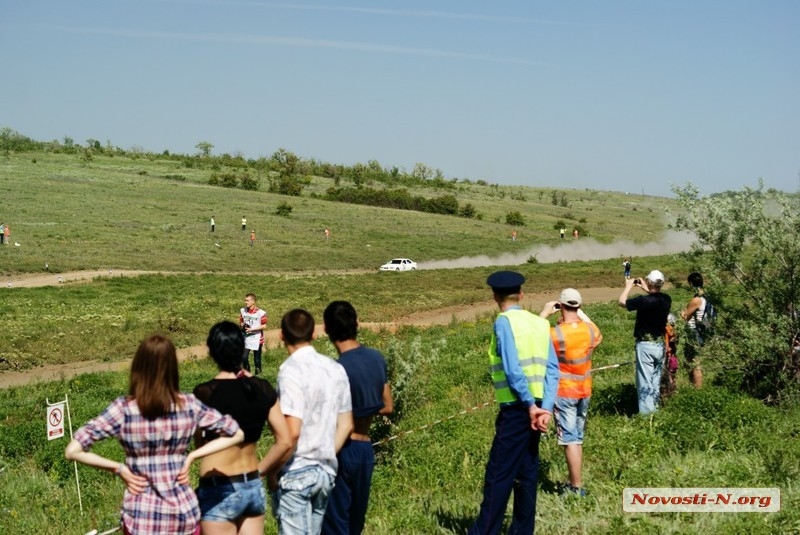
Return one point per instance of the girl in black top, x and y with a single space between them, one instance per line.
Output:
231 494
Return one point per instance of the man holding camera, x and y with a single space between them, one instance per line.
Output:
574 339
652 310
253 321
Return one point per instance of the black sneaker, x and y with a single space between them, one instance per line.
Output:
258 371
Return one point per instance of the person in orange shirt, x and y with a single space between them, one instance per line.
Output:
574 338
252 237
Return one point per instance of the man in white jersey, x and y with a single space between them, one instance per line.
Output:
253 321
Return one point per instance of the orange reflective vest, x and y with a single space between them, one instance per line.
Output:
574 343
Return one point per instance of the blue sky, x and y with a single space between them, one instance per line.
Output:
614 95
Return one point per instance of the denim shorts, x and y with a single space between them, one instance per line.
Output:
571 419
230 501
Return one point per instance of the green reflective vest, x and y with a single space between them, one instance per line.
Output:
532 338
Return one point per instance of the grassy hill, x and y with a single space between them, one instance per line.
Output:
152 213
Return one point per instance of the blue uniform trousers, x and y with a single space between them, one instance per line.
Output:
513 465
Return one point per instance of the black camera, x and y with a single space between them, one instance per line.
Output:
637 281
557 306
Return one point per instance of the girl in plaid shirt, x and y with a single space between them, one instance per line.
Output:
155 423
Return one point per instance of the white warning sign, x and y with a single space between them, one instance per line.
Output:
55 421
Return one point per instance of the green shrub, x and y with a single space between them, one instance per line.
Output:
248 182
283 209
515 218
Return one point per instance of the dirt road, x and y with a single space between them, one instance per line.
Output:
443 316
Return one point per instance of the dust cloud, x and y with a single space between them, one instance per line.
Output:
581 249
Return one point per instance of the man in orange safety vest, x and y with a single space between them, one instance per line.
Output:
574 339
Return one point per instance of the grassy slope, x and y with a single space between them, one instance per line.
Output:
122 213
108 214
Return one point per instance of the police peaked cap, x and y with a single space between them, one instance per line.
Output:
505 282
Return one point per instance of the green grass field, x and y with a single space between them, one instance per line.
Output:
123 213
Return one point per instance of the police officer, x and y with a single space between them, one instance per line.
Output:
524 371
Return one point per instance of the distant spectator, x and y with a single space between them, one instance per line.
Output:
7 234
562 232
626 268
668 379
244 223
513 235
252 237
212 223
693 314
327 234
2 233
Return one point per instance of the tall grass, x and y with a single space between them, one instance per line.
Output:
430 480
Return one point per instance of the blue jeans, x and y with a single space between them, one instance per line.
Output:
347 507
649 365
301 499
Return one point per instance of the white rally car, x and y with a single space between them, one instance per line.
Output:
399 264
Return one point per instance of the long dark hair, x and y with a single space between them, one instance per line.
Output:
154 377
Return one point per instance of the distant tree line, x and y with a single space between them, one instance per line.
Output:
285 173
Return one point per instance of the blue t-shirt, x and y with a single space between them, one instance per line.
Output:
366 370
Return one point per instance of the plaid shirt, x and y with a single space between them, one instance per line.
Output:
157 449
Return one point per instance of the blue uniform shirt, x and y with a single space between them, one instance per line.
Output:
507 350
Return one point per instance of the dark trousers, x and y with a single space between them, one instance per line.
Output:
256 358
347 504
513 465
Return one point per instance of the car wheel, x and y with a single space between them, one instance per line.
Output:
413 269
397 269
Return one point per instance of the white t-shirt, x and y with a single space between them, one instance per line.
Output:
253 318
315 389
